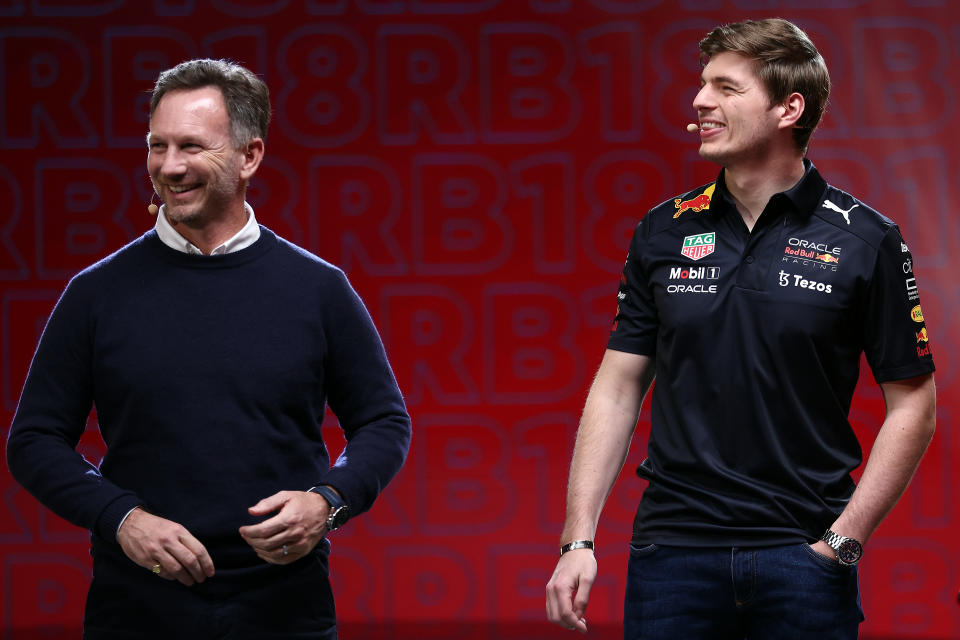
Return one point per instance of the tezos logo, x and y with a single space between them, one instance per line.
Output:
803 283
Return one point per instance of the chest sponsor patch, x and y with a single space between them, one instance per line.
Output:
811 254
802 282
916 314
699 246
694 273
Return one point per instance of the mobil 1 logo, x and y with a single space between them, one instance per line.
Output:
693 279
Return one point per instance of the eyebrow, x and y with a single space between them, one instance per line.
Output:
722 80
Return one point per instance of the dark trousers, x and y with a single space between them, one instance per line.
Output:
761 593
127 602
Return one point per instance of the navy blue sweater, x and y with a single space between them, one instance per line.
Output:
210 377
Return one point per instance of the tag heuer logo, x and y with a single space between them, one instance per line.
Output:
699 246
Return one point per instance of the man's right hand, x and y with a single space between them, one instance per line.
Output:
569 589
150 540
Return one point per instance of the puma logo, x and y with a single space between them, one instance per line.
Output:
844 213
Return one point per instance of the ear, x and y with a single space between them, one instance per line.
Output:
252 156
791 110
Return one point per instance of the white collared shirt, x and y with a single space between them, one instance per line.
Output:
249 234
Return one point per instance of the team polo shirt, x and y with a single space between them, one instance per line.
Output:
757 338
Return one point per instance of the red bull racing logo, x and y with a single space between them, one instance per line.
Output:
923 343
700 203
811 254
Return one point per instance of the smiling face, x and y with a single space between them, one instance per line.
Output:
195 168
738 125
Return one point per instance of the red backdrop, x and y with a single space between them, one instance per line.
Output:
476 167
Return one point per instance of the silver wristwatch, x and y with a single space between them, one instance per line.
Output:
339 511
848 550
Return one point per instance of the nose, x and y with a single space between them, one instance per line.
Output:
172 163
703 99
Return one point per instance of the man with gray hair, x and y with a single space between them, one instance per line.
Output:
210 348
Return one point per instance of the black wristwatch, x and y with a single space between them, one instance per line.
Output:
849 551
339 511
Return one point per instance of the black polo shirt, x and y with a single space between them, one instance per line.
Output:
757 338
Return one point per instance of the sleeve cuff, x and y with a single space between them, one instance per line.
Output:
113 516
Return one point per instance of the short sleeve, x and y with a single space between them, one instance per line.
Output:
896 338
636 323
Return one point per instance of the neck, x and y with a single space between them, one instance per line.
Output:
210 234
752 188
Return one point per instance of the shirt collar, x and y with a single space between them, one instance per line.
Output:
249 234
804 196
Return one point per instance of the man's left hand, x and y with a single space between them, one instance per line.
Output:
297 527
824 549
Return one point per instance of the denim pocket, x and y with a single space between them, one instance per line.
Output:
823 560
642 551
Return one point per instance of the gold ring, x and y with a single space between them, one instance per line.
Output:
156 569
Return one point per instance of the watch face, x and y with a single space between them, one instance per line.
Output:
337 517
849 551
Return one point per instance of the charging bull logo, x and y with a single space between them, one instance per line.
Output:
923 343
826 257
700 203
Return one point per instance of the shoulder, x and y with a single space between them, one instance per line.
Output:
136 252
293 256
853 216
674 210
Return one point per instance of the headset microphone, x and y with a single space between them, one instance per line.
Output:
152 208
693 127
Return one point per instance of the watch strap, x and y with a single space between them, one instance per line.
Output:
837 543
339 511
576 544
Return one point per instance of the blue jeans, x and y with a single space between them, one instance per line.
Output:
760 593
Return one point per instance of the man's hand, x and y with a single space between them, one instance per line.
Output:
299 525
824 549
569 589
150 540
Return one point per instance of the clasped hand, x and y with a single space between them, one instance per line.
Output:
298 525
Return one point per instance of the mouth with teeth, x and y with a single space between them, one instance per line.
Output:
178 189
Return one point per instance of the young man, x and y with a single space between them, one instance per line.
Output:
210 348
751 300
